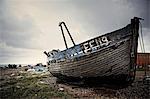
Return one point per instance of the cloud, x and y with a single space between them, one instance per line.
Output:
103 16
28 27
9 54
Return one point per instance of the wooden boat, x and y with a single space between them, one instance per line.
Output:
112 55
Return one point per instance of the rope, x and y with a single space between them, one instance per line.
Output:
141 40
140 44
142 47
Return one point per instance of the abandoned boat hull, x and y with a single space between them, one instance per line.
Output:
110 55
106 62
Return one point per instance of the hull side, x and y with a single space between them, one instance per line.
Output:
106 62
115 56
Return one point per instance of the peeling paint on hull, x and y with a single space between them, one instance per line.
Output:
117 57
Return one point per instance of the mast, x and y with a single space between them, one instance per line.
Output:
60 24
134 44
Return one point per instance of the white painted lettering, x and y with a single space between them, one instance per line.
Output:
95 43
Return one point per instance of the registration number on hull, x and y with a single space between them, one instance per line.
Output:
95 44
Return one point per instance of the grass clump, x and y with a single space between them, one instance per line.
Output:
29 88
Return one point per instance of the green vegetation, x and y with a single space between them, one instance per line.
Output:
28 88
140 69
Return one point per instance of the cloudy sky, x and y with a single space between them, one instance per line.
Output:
29 27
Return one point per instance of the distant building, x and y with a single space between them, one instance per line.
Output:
143 59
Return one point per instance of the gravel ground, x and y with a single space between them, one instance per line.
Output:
137 90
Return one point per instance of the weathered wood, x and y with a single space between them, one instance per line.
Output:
113 54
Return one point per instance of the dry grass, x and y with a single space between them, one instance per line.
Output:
27 88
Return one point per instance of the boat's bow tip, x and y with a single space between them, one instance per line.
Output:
45 53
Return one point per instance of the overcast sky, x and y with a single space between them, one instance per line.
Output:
29 27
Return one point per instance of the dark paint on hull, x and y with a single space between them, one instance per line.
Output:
114 62
113 79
